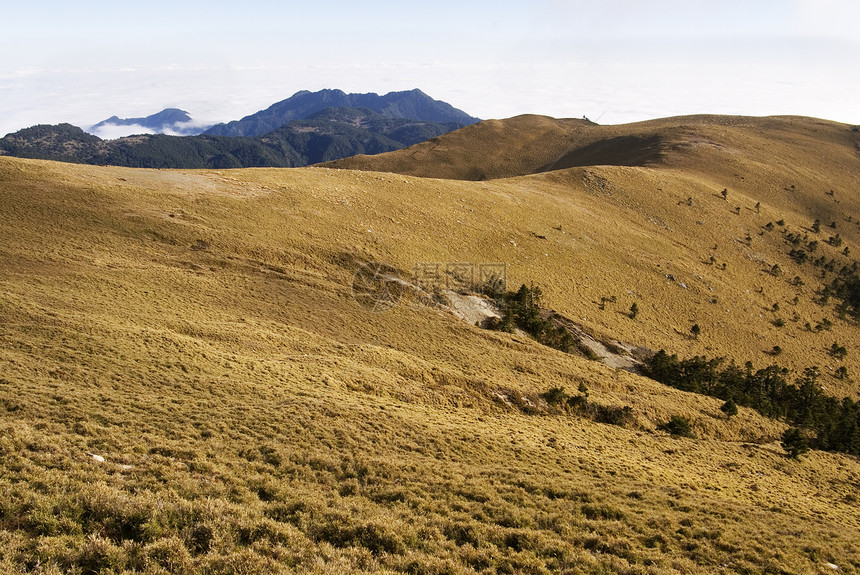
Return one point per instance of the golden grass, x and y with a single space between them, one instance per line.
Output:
623 229
197 331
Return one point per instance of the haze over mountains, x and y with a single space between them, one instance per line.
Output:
191 380
304 129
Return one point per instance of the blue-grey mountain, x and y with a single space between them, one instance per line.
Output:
410 105
169 120
327 134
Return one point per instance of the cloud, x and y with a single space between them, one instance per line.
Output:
491 59
828 18
114 131
188 128
620 83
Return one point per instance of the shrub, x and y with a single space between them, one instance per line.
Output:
602 512
677 425
798 255
837 351
609 414
341 532
170 554
729 408
576 402
613 415
555 395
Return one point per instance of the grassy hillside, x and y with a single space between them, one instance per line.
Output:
188 384
668 219
529 144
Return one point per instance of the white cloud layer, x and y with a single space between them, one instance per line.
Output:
114 131
614 61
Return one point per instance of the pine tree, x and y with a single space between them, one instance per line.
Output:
794 442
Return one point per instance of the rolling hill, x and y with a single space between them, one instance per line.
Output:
192 380
780 175
531 144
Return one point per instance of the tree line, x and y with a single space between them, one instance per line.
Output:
834 424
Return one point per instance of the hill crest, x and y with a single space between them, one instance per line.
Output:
530 144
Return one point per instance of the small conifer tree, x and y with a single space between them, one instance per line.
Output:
794 442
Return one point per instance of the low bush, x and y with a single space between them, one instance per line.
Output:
677 425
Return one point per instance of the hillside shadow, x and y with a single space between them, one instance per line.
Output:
618 151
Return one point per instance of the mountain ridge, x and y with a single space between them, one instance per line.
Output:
325 135
412 104
172 121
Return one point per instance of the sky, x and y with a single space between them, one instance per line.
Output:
613 61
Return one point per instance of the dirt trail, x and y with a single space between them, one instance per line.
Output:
619 355
472 308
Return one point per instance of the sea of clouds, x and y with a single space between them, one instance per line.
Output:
610 86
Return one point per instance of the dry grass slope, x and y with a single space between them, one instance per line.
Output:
187 385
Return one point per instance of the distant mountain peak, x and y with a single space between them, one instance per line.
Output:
168 121
306 128
410 104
